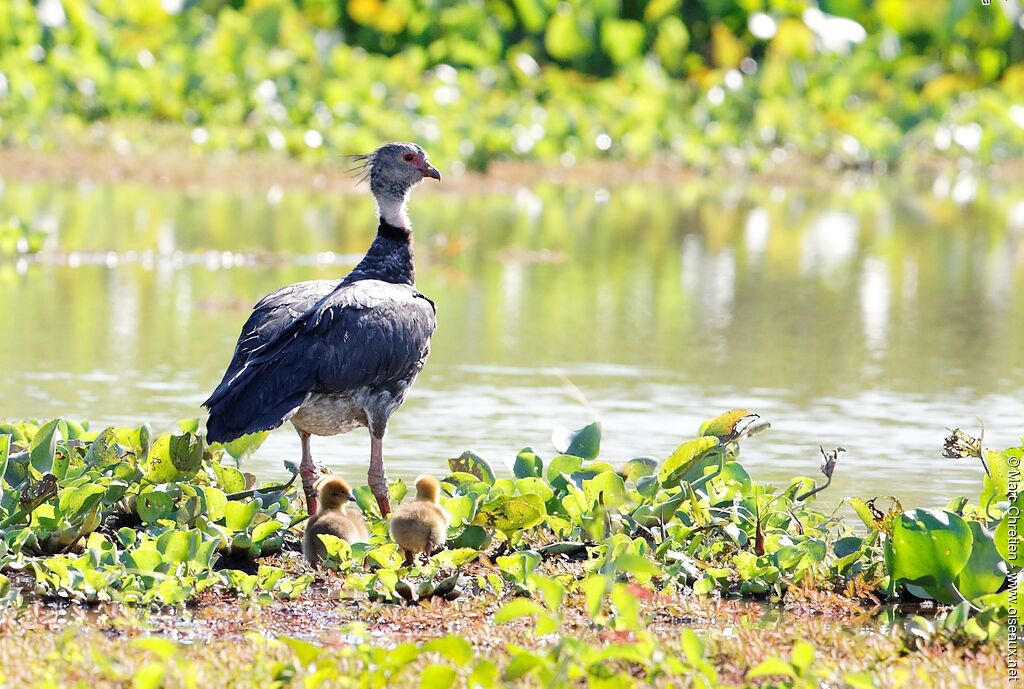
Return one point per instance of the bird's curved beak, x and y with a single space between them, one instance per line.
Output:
349 497
429 170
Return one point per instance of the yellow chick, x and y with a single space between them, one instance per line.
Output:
421 526
332 518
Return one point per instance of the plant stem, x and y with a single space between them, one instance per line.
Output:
814 491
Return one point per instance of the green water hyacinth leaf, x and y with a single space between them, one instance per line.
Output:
104 449
43 447
584 442
466 483
17 435
731 425
216 502
462 510
511 514
158 467
648 487
735 473
154 504
606 488
638 468
238 515
519 565
243 447
575 503
685 458
61 461
985 571
367 503
145 559
589 470
997 480
338 549
472 463
928 548
528 464
864 512
17 470
386 557
503 486
398 490
562 464
229 479
306 652
1007 534
186 453
534 486
473 537
550 590
179 546
455 557
73 430
79 500
663 512
264 530
638 566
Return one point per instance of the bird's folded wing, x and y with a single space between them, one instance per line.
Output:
270 317
366 333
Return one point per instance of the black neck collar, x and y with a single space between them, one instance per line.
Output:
389 231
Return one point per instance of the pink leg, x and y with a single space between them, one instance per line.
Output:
309 472
376 477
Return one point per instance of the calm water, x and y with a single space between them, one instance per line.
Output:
869 317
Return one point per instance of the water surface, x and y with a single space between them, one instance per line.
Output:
867 316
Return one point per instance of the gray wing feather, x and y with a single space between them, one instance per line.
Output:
368 333
271 315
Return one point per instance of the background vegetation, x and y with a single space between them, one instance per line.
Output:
749 81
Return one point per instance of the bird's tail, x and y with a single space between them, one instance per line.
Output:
236 414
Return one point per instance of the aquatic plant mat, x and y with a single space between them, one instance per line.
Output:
131 559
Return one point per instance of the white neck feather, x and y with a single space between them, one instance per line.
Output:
393 210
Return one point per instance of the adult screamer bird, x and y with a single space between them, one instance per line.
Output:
332 355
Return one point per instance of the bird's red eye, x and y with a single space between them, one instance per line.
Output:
409 157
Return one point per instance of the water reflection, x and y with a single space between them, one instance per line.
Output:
866 317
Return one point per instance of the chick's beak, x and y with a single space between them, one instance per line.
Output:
429 170
349 497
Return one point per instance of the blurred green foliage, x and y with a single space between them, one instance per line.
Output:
525 78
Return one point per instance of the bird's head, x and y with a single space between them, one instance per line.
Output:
395 168
334 492
428 488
